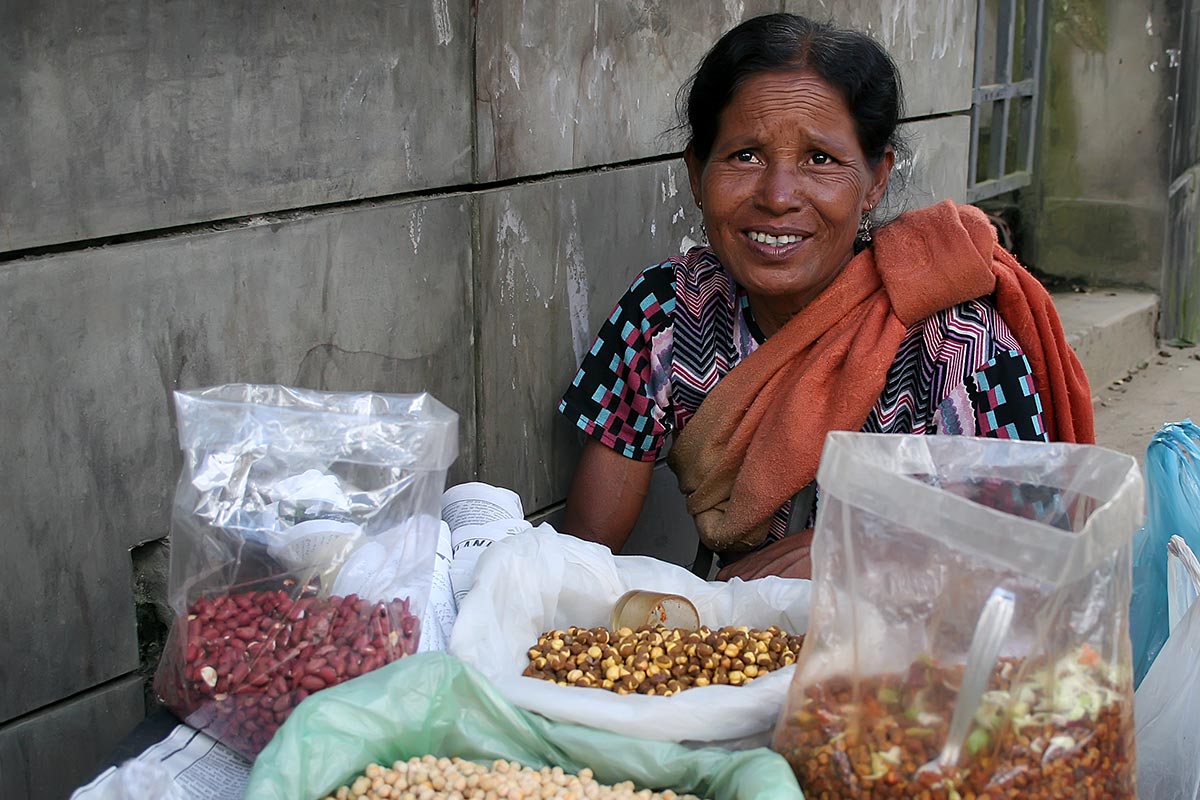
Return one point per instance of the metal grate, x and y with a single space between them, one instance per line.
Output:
998 92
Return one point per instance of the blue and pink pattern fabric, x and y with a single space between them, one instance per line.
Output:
685 323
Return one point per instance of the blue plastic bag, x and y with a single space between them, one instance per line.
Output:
1172 508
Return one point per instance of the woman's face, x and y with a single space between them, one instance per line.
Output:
785 186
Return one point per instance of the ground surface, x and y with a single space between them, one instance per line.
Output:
1166 390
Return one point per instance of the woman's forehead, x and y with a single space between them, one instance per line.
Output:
781 97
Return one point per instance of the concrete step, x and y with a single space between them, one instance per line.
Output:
1112 331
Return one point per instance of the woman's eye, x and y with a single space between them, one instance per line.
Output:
745 156
822 158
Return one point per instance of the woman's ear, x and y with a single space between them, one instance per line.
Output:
695 168
881 173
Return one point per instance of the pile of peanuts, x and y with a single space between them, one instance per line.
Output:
659 661
247 659
453 778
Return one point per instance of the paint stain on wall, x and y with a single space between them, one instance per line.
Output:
441 21
577 290
942 26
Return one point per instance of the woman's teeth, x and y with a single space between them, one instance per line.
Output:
766 238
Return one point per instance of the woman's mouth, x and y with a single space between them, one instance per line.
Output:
773 239
774 245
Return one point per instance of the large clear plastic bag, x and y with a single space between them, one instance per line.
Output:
1172 509
433 704
1167 704
969 633
303 539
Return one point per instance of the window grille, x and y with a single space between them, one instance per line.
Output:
1004 101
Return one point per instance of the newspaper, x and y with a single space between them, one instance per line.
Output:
192 766
478 515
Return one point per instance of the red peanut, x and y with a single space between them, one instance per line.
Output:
266 652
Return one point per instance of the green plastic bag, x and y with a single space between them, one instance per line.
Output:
432 703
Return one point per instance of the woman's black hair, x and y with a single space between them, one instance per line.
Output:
852 62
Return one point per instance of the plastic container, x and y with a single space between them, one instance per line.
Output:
641 608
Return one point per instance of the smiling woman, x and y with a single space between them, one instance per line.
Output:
799 317
784 188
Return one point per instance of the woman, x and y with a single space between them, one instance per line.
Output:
799 317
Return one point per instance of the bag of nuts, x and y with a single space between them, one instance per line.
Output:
303 539
535 583
970 631
431 710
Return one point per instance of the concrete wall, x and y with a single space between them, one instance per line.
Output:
199 193
1181 264
1103 160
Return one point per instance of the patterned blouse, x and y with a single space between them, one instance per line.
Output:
685 323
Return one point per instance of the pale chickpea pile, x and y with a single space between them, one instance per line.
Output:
431 778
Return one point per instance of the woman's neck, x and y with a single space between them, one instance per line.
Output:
773 312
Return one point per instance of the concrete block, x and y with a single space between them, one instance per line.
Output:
932 41
553 259
937 168
377 298
1103 240
565 85
52 753
1112 331
120 117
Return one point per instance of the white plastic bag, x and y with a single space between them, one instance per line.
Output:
139 780
542 580
1167 704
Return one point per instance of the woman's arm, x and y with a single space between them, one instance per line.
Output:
606 496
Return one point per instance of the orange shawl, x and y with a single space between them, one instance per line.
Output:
756 439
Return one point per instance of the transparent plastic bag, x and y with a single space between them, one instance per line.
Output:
1172 509
969 631
303 539
1167 704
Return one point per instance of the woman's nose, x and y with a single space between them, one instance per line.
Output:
781 189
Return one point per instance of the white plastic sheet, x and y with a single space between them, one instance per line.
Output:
1167 707
542 580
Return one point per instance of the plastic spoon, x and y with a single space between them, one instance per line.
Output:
990 633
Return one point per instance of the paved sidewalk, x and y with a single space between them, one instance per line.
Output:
1166 390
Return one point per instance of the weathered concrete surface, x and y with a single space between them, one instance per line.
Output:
1181 262
560 86
1111 331
553 258
565 85
932 41
119 117
937 169
1167 390
53 753
373 299
1100 213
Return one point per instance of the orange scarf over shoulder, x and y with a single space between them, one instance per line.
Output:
757 438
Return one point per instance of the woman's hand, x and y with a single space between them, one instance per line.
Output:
787 558
607 495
